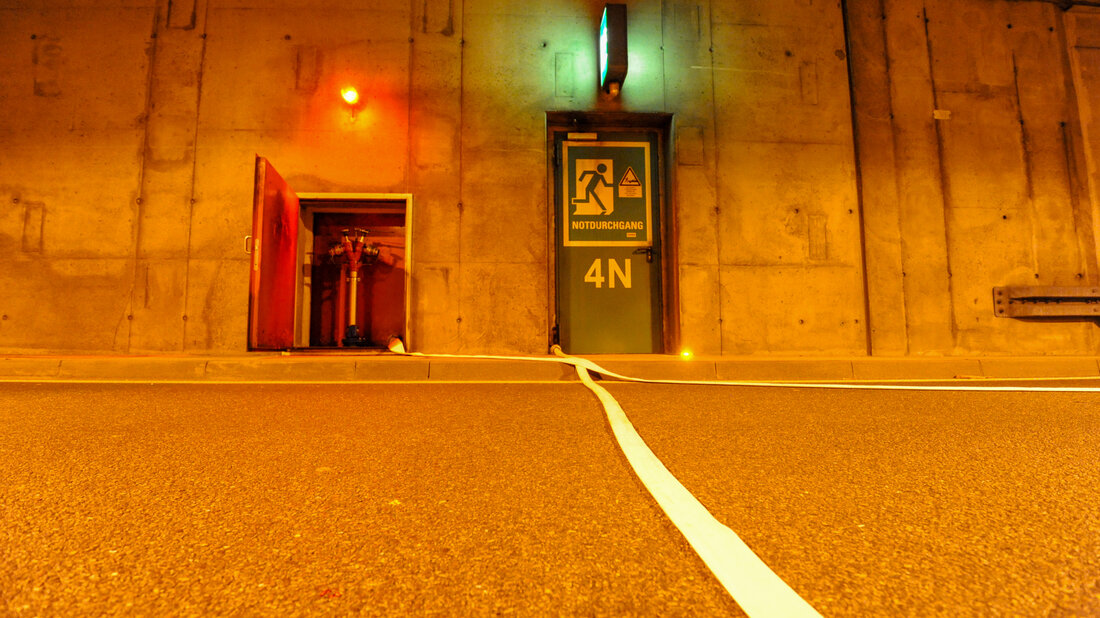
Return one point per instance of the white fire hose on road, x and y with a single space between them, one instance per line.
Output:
754 586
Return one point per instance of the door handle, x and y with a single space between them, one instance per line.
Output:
248 244
648 251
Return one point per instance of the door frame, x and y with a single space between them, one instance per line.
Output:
591 122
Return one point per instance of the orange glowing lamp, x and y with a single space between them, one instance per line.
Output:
350 95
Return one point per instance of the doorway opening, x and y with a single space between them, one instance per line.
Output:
350 300
329 270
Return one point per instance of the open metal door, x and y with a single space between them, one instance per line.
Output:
273 284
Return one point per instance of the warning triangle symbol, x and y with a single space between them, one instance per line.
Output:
630 179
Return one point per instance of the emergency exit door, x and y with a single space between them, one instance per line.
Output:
608 241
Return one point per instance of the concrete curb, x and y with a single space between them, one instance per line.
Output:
30 367
1046 368
148 369
399 369
783 369
281 369
920 369
483 370
389 368
660 369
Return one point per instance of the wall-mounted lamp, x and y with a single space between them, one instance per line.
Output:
612 50
351 97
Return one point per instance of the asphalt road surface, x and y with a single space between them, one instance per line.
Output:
474 499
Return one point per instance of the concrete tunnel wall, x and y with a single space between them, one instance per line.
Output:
129 129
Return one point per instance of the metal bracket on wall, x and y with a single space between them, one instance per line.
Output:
1046 302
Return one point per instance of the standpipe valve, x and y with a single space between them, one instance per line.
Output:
353 252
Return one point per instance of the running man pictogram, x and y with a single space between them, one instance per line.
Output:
595 189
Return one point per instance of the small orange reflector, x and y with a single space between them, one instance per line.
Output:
351 95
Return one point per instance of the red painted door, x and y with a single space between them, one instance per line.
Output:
274 260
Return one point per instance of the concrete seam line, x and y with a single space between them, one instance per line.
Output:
754 586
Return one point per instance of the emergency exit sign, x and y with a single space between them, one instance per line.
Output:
607 189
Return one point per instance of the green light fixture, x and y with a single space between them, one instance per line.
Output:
613 48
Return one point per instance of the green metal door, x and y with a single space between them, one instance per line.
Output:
607 215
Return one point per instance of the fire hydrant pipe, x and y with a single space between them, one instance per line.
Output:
353 310
341 318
